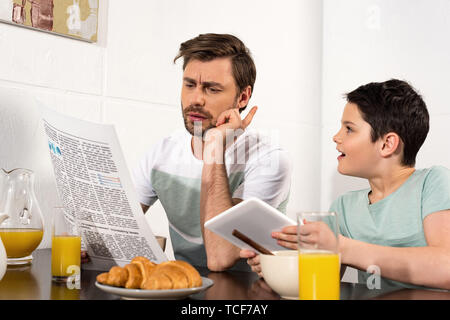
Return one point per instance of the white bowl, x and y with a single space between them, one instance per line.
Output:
280 272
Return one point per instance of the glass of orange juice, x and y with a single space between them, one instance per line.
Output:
66 247
318 256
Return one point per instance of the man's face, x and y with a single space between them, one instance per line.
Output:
359 154
208 90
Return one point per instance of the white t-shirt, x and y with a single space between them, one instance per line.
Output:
170 172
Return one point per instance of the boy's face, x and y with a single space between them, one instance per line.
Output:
359 156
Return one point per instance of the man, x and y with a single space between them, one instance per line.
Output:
217 163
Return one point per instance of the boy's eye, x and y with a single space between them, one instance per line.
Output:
348 129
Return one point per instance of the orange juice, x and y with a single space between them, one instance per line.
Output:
20 242
66 251
318 276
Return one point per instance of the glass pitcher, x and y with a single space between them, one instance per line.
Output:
22 230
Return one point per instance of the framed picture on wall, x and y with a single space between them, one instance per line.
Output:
72 18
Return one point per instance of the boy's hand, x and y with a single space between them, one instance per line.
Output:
252 260
317 235
287 237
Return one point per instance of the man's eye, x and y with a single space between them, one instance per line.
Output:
189 85
213 90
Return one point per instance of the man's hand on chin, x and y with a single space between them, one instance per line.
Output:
228 125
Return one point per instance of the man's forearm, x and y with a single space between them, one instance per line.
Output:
427 266
215 198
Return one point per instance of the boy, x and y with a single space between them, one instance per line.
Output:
401 224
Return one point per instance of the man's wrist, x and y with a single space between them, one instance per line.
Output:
216 141
213 151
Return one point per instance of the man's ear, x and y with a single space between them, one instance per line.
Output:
244 97
390 144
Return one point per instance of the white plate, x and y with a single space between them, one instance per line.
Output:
155 294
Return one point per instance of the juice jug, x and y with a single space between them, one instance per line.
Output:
22 232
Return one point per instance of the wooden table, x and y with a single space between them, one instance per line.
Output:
34 283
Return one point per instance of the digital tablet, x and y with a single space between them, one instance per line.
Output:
255 219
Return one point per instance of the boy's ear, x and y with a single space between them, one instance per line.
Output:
390 144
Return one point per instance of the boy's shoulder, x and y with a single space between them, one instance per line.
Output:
351 197
435 179
433 175
355 193
436 170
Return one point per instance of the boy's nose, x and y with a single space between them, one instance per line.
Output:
336 138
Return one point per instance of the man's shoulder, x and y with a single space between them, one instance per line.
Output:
260 144
264 152
176 140
178 137
167 150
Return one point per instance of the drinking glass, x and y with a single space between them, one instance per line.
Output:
318 256
66 247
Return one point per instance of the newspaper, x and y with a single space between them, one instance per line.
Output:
96 190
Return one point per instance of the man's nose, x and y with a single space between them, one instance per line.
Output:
197 98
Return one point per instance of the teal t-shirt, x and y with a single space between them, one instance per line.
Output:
397 220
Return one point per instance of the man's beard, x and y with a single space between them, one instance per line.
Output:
195 128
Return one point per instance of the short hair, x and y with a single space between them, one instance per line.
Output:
209 46
394 106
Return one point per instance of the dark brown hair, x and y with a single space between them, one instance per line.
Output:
394 106
209 46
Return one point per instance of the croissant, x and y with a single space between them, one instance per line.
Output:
141 273
193 277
